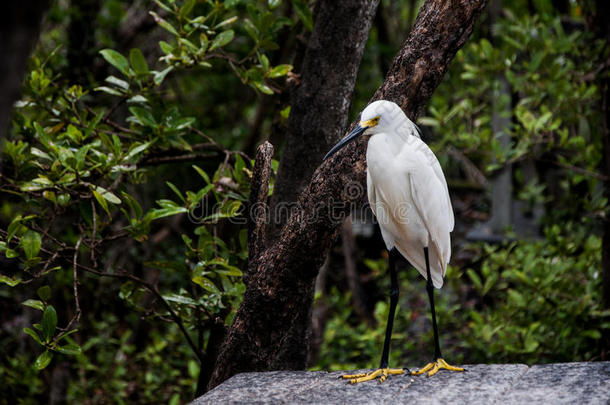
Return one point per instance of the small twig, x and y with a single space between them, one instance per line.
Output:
116 183
577 169
176 159
49 261
203 135
472 171
153 289
93 232
108 121
76 316
113 109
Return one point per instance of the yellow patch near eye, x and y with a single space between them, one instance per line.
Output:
369 123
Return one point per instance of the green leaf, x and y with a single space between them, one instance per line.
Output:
205 283
11 254
43 360
144 116
108 90
165 203
117 60
49 323
164 6
13 227
228 21
137 99
12 282
304 13
70 349
230 271
136 150
44 292
126 290
186 8
40 154
31 243
66 334
108 195
159 76
133 204
274 3
63 199
102 201
251 29
36 304
264 60
175 190
279 70
202 174
165 47
164 24
33 334
164 212
222 39
285 113
180 299
240 165
175 399
262 87
121 84
138 61
474 277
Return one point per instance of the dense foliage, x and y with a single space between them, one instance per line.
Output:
107 296
536 298
79 172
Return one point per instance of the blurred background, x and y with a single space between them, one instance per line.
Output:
119 104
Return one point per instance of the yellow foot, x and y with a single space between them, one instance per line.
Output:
434 368
382 373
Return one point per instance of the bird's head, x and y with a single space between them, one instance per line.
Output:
379 116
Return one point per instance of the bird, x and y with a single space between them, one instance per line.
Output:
408 194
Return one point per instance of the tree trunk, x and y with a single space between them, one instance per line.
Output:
320 102
81 39
19 30
281 278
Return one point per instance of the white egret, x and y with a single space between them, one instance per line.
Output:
408 194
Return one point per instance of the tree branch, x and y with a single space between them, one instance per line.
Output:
320 103
258 209
351 273
281 290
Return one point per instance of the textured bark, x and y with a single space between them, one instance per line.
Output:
19 30
257 206
278 297
320 103
352 276
215 340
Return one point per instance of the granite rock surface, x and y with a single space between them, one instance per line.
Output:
573 383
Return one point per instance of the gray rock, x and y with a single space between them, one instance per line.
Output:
573 383
481 384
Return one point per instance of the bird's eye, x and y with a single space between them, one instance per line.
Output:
370 123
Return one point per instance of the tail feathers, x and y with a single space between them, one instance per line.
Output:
418 260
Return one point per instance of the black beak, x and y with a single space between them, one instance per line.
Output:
356 132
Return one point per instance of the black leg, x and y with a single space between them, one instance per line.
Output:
393 256
430 289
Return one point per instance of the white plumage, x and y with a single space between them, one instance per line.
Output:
409 196
407 190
